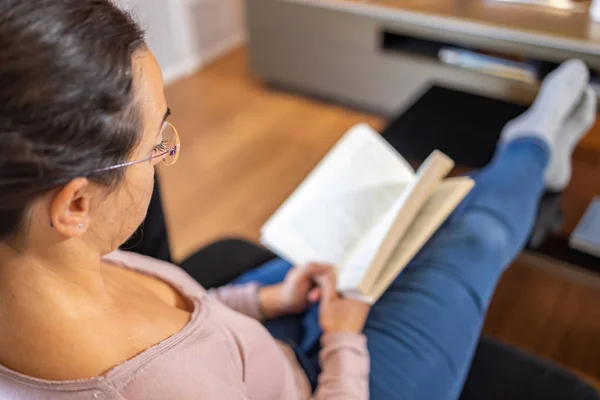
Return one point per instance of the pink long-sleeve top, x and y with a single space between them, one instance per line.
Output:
223 353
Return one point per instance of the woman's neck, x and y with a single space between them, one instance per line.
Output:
65 271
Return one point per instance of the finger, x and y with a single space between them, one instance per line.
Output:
328 284
313 269
314 295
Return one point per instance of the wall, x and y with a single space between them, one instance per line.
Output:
187 34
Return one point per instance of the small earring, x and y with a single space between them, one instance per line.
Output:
51 224
80 226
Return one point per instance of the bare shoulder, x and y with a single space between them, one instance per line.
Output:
58 353
78 341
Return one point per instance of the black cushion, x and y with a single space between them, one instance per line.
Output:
222 261
501 372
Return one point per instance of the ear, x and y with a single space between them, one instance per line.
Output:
70 208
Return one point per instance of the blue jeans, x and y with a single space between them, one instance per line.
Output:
423 331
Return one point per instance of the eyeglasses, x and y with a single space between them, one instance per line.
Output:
168 150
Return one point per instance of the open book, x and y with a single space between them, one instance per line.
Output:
365 210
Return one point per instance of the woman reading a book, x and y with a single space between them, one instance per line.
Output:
82 125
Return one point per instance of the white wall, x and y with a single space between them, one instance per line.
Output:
186 34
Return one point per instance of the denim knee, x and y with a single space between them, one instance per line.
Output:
487 235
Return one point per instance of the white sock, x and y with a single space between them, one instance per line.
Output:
558 174
561 114
561 92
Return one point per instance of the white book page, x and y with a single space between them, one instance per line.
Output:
354 268
342 198
360 269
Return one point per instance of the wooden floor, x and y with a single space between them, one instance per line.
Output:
246 147
244 150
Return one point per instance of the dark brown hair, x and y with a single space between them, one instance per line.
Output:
66 97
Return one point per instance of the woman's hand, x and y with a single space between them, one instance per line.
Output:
294 294
338 314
